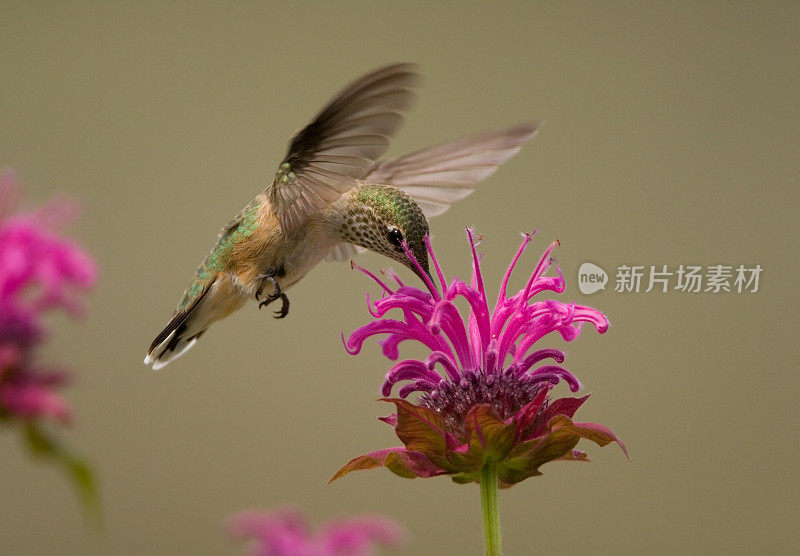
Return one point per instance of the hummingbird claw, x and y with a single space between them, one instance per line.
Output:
284 307
276 289
284 310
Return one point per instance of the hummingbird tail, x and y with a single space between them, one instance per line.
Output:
180 333
174 347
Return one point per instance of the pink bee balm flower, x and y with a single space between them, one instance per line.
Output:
39 271
484 388
286 532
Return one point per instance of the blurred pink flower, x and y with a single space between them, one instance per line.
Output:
40 271
286 532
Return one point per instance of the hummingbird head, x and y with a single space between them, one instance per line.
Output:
380 218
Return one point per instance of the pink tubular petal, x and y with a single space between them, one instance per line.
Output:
507 338
400 300
416 386
480 314
409 369
491 359
439 274
554 372
501 297
541 267
352 351
582 313
475 340
377 280
415 330
393 275
394 327
372 308
476 268
556 316
538 356
445 361
446 318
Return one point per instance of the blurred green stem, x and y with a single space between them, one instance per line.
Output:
491 513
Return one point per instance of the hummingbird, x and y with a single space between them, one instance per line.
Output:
331 198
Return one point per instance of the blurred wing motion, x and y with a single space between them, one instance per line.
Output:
341 144
438 176
344 252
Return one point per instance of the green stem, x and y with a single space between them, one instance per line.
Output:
491 513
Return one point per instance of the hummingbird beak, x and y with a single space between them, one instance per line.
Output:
423 272
425 275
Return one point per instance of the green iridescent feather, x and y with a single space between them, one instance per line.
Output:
245 223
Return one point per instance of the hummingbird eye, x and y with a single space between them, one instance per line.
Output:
395 237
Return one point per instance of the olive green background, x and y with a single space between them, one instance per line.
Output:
671 137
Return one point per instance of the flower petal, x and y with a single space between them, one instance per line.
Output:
409 369
526 458
390 420
526 417
29 399
561 406
488 438
600 435
357 535
575 455
553 374
422 430
539 355
399 461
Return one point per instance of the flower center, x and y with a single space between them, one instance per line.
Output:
505 392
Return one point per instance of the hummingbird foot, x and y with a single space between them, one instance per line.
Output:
284 310
276 289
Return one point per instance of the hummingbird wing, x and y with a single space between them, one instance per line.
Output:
344 252
438 176
342 143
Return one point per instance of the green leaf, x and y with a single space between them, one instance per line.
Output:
465 478
45 446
